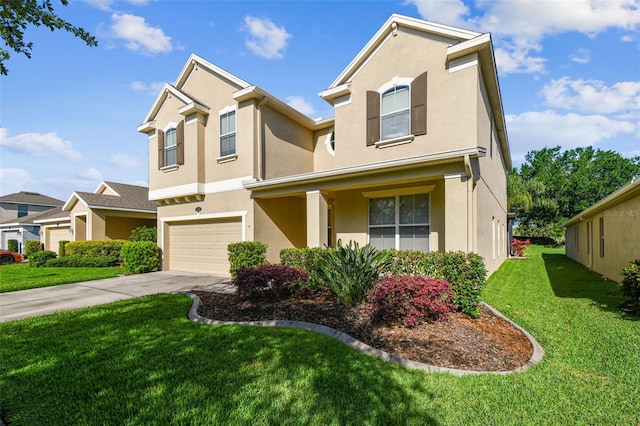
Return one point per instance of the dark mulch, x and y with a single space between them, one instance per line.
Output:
487 343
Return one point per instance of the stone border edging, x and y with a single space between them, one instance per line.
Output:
536 357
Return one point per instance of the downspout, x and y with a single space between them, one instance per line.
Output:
260 139
470 184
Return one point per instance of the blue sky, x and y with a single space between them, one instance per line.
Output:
569 73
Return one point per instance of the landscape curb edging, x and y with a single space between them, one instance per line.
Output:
536 357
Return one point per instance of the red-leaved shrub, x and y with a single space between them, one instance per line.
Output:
268 281
517 247
410 299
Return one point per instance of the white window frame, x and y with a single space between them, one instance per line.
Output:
330 142
397 225
403 110
171 126
227 111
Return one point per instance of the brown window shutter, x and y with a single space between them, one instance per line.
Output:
180 142
419 105
373 117
160 134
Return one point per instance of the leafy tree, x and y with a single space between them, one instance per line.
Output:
16 15
572 180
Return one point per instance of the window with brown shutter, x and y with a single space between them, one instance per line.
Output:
419 105
373 117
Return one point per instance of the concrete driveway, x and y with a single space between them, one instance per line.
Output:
39 301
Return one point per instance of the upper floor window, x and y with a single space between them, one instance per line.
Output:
330 142
398 109
227 133
170 147
395 114
23 210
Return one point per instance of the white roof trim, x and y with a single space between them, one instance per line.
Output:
59 219
195 59
164 91
67 205
387 27
105 185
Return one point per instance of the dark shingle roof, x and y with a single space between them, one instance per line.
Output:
131 197
26 197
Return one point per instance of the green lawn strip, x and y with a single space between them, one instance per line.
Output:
22 277
142 361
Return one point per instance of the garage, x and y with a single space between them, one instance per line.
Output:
8 235
202 246
55 235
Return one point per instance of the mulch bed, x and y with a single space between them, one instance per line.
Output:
487 343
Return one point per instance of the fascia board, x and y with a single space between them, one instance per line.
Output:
255 92
69 204
622 194
61 219
387 27
442 156
92 207
195 59
164 91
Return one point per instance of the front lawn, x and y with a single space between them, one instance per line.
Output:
22 277
142 361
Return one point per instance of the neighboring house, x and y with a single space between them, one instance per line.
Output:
111 212
16 216
415 157
606 236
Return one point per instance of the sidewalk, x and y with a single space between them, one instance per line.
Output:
40 301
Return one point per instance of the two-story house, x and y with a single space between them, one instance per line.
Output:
415 157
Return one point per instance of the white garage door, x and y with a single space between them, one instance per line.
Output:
55 235
202 246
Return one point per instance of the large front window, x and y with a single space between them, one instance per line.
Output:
228 133
400 222
170 147
395 112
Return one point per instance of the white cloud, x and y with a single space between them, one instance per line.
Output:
151 89
301 105
627 38
535 130
106 4
124 161
267 39
140 37
39 145
592 96
449 12
581 56
514 56
15 180
91 174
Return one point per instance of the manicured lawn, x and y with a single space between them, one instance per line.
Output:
22 277
142 361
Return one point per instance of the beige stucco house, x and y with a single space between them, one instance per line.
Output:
606 236
414 158
111 212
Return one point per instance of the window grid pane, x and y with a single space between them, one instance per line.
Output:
410 220
171 156
228 133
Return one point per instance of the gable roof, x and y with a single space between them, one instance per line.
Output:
130 198
463 43
33 198
630 190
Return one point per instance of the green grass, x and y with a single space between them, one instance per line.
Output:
22 277
142 361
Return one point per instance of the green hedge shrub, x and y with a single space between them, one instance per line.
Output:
12 245
140 257
307 259
352 270
82 262
466 273
39 259
142 233
62 248
32 246
246 254
93 248
631 285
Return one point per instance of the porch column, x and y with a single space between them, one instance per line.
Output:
317 219
456 220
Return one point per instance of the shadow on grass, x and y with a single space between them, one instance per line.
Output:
570 279
142 362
